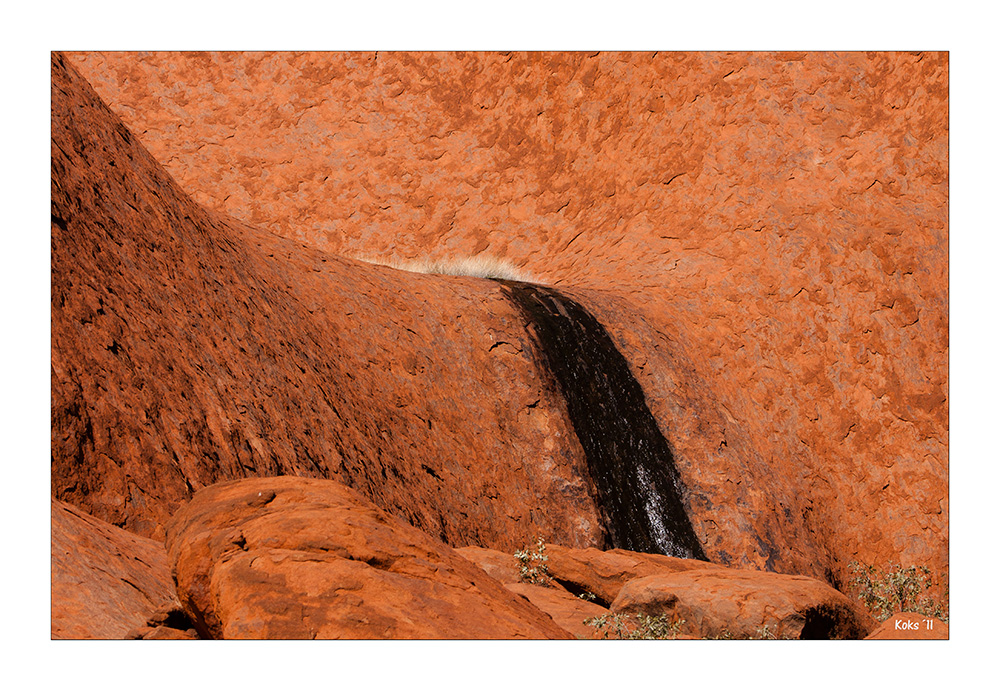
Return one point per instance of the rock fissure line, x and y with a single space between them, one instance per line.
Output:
631 464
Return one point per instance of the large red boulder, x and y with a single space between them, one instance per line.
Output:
603 574
290 557
568 611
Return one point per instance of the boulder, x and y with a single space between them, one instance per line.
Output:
499 565
728 603
161 633
105 581
603 574
290 557
167 623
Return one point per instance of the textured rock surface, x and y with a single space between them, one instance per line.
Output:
167 623
910 626
568 611
739 604
781 218
501 566
604 573
304 558
105 581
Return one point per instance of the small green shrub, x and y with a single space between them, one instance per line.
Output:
895 589
631 627
533 566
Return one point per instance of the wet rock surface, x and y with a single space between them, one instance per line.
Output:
639 492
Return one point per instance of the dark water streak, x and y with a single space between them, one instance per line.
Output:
630 462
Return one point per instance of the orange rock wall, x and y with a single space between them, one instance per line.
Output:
781 217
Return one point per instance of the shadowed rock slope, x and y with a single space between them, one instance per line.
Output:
781 218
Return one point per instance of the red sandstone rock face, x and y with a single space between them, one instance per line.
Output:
302 558
568 611
740 604
501 566
105 581
781 219
714 602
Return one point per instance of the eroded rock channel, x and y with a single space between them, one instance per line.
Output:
638 488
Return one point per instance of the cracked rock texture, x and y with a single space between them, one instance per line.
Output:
781 218
303 558
105 580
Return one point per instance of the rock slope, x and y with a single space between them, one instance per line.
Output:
188 349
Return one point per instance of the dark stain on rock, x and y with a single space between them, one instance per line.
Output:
630 462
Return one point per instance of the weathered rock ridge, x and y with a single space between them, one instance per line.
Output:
289 557
780 218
